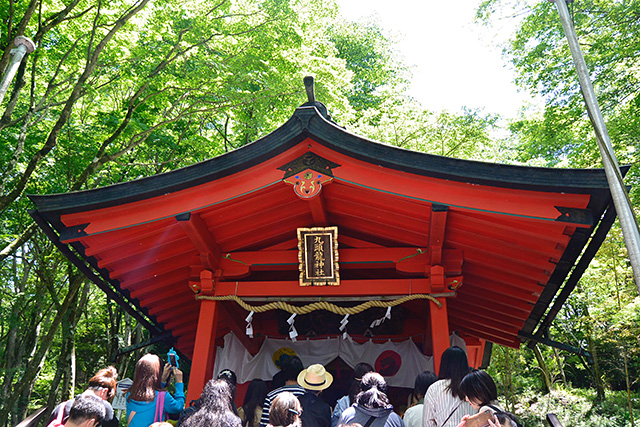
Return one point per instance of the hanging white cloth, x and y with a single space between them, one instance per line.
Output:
399 362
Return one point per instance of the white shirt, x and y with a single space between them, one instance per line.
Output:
413 416
439 403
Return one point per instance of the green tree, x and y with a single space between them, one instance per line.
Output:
116 92
369 54
601 314
608 34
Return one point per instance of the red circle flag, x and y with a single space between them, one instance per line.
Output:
388 363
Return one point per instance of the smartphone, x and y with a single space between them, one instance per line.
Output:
480 419
173 358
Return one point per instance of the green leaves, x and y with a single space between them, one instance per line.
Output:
608 34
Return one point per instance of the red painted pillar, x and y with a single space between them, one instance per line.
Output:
204 351
439 330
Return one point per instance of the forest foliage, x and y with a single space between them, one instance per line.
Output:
124 89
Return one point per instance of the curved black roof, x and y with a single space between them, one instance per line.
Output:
307 122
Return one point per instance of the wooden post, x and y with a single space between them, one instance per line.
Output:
204 351
439 330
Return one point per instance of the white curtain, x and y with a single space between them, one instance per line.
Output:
399 362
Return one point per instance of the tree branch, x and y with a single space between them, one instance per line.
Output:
18 241
52 139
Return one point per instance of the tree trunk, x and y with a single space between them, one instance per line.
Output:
127 335
626 378
546 375
507 379
623 346
15 349
66 370
597 373
33 367
560 363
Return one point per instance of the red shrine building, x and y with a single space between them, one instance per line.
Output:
488 251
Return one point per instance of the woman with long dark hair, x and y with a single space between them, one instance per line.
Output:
146 401
444 403
413 416
480 391
251 410
345 401
372 407
215 407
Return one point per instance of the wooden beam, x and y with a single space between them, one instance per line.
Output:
256 259
288 244
160 295
176 307
340 298
481 296
318 211
358 199
503 247
115 240
476 287
143 250
148 259
528 270
488 275
486 326
204 349
494 337
408 261
138 275
356 243
181 324
150 284
204 242
383 228
239 264
439 330
184 329
490 309
347 288
183 308
536 236
482 318
451 261
352 230
272 230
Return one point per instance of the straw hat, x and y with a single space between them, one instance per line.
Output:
315 377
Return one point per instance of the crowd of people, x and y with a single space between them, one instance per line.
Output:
457 397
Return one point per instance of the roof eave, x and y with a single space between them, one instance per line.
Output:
308 122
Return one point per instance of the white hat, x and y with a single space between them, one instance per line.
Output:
315 377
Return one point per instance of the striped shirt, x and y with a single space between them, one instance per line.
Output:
295 389
440 404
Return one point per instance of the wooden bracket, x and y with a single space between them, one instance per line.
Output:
436 232
201 238
437 278
207 283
